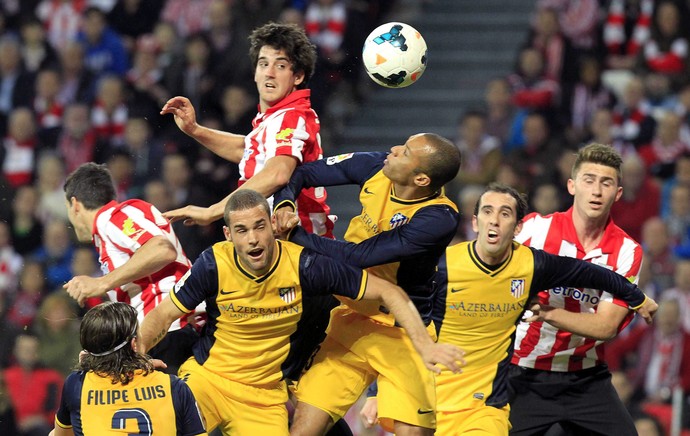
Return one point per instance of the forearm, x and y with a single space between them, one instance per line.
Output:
155 326
589 325
229 146
274 175
155 254
408 317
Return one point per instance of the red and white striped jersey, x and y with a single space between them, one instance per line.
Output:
289 128
542 346
119 230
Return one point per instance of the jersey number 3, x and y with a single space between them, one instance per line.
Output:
142 419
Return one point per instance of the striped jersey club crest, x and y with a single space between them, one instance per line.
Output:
398 220
287 294
517 288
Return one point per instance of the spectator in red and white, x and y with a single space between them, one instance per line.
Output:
658 254
37 53
109 112
78 83
666 51
657 357
188 16
30 292
641 198
579 20
531 88
633 124
50 175
626 29
661 154
546 36
145 79
584 98
47 106
20 146
62 19
77 142
10 262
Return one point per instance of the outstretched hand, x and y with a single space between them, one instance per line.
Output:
447 355
192 215
83 287
184 113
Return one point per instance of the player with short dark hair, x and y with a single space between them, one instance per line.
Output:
558 376
116 389
256 289
483 288
285 131
138 250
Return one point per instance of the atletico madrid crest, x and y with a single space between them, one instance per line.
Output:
517 288
287 294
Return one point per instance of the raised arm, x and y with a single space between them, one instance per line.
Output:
227 145
153 255
271 178
430 228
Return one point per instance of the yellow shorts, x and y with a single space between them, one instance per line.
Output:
482 420
358 351
235 407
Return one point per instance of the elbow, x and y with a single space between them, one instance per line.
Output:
282 178
168 253
607 333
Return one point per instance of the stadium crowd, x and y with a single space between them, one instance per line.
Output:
84 80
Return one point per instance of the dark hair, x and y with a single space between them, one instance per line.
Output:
104 329
520 200
244 199
298 48
443 163
91 184
598 154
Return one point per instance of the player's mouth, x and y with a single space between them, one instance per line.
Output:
270 85
596 204
256 253
492 236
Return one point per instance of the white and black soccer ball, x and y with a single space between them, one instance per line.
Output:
394 55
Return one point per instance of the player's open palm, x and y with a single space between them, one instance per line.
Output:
447 355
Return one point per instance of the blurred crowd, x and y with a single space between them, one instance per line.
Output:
614 72
84 80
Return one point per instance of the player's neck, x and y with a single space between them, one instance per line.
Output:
410 192
589 230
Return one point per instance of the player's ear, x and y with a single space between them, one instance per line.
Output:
299 78
518 229
133 344
227 234
421 180
571 186
475 224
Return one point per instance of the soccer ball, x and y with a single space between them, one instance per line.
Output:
394 55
